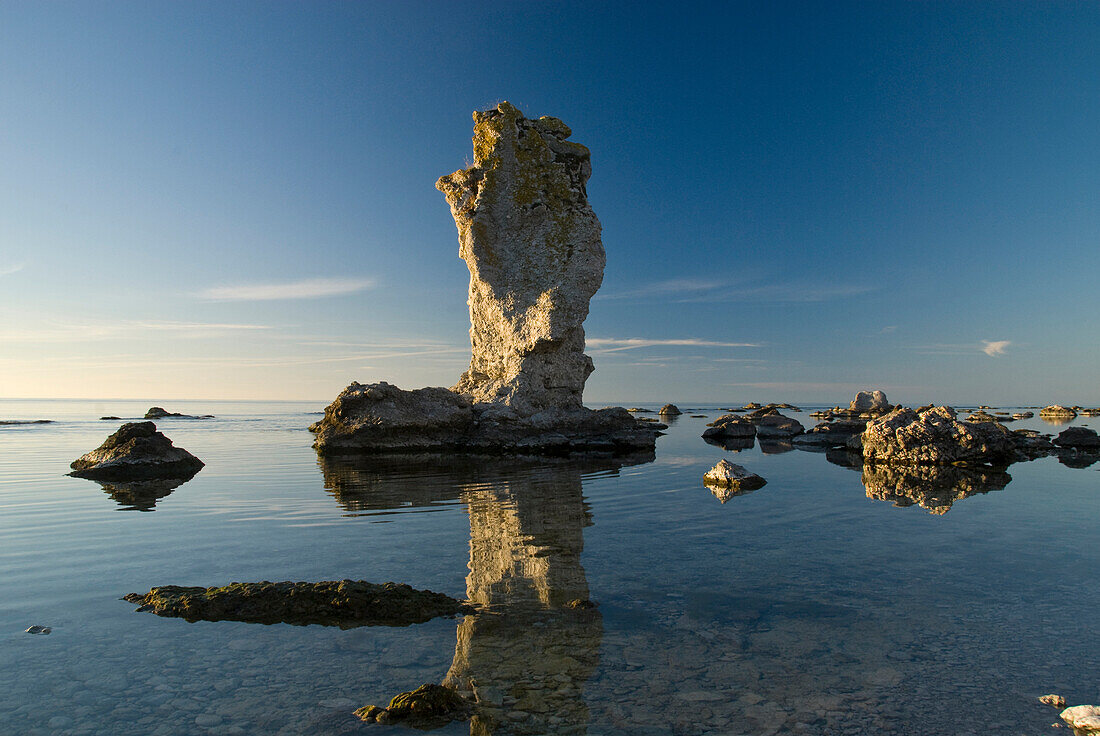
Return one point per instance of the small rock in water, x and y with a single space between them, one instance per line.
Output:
39 630
1055 700
425 707
727 475
670 410
137 451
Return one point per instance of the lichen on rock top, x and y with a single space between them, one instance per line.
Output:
532 245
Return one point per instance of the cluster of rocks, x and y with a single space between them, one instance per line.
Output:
1083 719
532 245
428 706
866 405
343 603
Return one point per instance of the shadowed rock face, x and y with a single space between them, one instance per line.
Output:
932 487
137 451
532 244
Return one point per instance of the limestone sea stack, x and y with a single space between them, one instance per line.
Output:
532 245
137 451
935 437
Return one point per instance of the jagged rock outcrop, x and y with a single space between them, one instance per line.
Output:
137 451
935 437
532 244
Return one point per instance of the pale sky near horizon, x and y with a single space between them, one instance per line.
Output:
799 200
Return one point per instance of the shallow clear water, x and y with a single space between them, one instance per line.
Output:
804 607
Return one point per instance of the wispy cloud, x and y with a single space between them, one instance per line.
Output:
888 329
305 289
107 330
992 348
616 344
694 291
6 270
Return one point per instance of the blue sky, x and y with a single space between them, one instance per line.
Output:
236 200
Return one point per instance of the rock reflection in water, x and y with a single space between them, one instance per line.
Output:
525 657
932 487
732 444
141 495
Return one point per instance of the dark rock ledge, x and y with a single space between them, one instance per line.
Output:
343 603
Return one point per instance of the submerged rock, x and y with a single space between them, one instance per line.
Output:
428 706
137 451
532 245
343 603
735 477
935 437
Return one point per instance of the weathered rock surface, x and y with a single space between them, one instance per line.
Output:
870 402
383 418
428 706
532 245
343 603
1084 718
1081 438
932 487
730 426
935 437
1054 700
727 475
137 451
777 426
1057 411
670 410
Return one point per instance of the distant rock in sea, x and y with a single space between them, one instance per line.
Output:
137 451
19 422
532 245
670 410
1056 411
870 402
777 426
730 426
157 412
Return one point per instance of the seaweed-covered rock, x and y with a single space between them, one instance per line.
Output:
137 451
935 437
343 603
428 706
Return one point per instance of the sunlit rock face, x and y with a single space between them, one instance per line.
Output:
935 437
532 244
932 487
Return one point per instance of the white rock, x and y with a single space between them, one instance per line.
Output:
1083 717
727 475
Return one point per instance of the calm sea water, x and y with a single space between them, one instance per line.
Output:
814 605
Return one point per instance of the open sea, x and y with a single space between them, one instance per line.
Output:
826 602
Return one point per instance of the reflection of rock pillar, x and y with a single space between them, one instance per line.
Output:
528 652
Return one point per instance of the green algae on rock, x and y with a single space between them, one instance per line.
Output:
343 603
427 706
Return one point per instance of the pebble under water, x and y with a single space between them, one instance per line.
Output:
814 605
